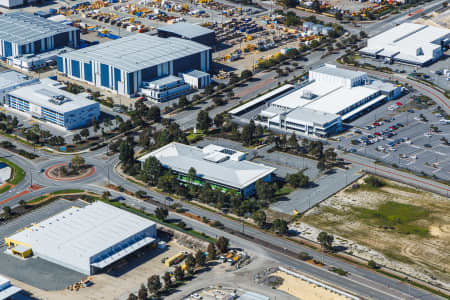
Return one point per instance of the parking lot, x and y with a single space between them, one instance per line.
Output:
35 271
405 137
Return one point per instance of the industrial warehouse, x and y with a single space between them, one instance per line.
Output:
409 43
23 33
320 105
189 31
124 65
46 101
86 240
222 168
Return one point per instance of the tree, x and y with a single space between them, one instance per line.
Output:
248 133
260 218
154 114
132 297
142 293
211 251
264 190
183 101
326 240
151 170
167 280
179 273
154 284
126 155
203 121
218 120
321 165
233 79
77 162
7 211
330 154
200 258
362 34
280 226
85 132
292 142
297 180
192 174
246 74
372 264
230 94
95 125
222 244
106 195
76 138
190 263
209 89
161 213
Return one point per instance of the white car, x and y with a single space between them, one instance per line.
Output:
444 121
428 134
196 296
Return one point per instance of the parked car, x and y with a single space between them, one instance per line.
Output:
427 146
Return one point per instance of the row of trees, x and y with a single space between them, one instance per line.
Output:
158 284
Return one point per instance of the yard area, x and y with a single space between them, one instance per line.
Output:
111 287
395 225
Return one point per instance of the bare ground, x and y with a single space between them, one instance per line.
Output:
422 257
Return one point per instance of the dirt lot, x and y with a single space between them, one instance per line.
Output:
396 225
304 290
110 287
353 6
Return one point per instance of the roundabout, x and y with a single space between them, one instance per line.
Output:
63 172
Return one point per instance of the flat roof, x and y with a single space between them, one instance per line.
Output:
181 158
335 71
40 94
196 73
296 99
341 98
138 51
77 234
24 28
403 41
363 107
186 29
262 98
165 80
311 116
12 78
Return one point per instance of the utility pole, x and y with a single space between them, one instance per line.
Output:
31 177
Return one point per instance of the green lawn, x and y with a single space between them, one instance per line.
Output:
36 200
68 191
18 173
4 189
284 190
401 217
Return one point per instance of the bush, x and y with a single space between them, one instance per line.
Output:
372 264
304 256
374 181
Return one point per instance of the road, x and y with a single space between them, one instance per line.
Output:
360 280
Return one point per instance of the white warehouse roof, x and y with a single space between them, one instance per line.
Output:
138 51
75 235
41 93
210 163
414 43
10 79
186 29
23 28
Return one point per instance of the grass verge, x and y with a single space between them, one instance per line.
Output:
18 174
68 191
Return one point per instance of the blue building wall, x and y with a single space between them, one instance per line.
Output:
104 75
88 72
75 68
116 78
60 64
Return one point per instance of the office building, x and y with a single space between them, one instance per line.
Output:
166 88
409 43
48 102
222 168
86 240
123 65
23 33
196 79
319 105
11 80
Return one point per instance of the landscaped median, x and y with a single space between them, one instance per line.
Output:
17 175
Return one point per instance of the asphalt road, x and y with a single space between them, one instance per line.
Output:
360 280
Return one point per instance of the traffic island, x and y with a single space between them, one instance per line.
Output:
68 172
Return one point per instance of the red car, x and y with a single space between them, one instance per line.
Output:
376 124
399 103
377 133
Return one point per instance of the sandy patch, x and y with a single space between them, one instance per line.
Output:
304 290
422 257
